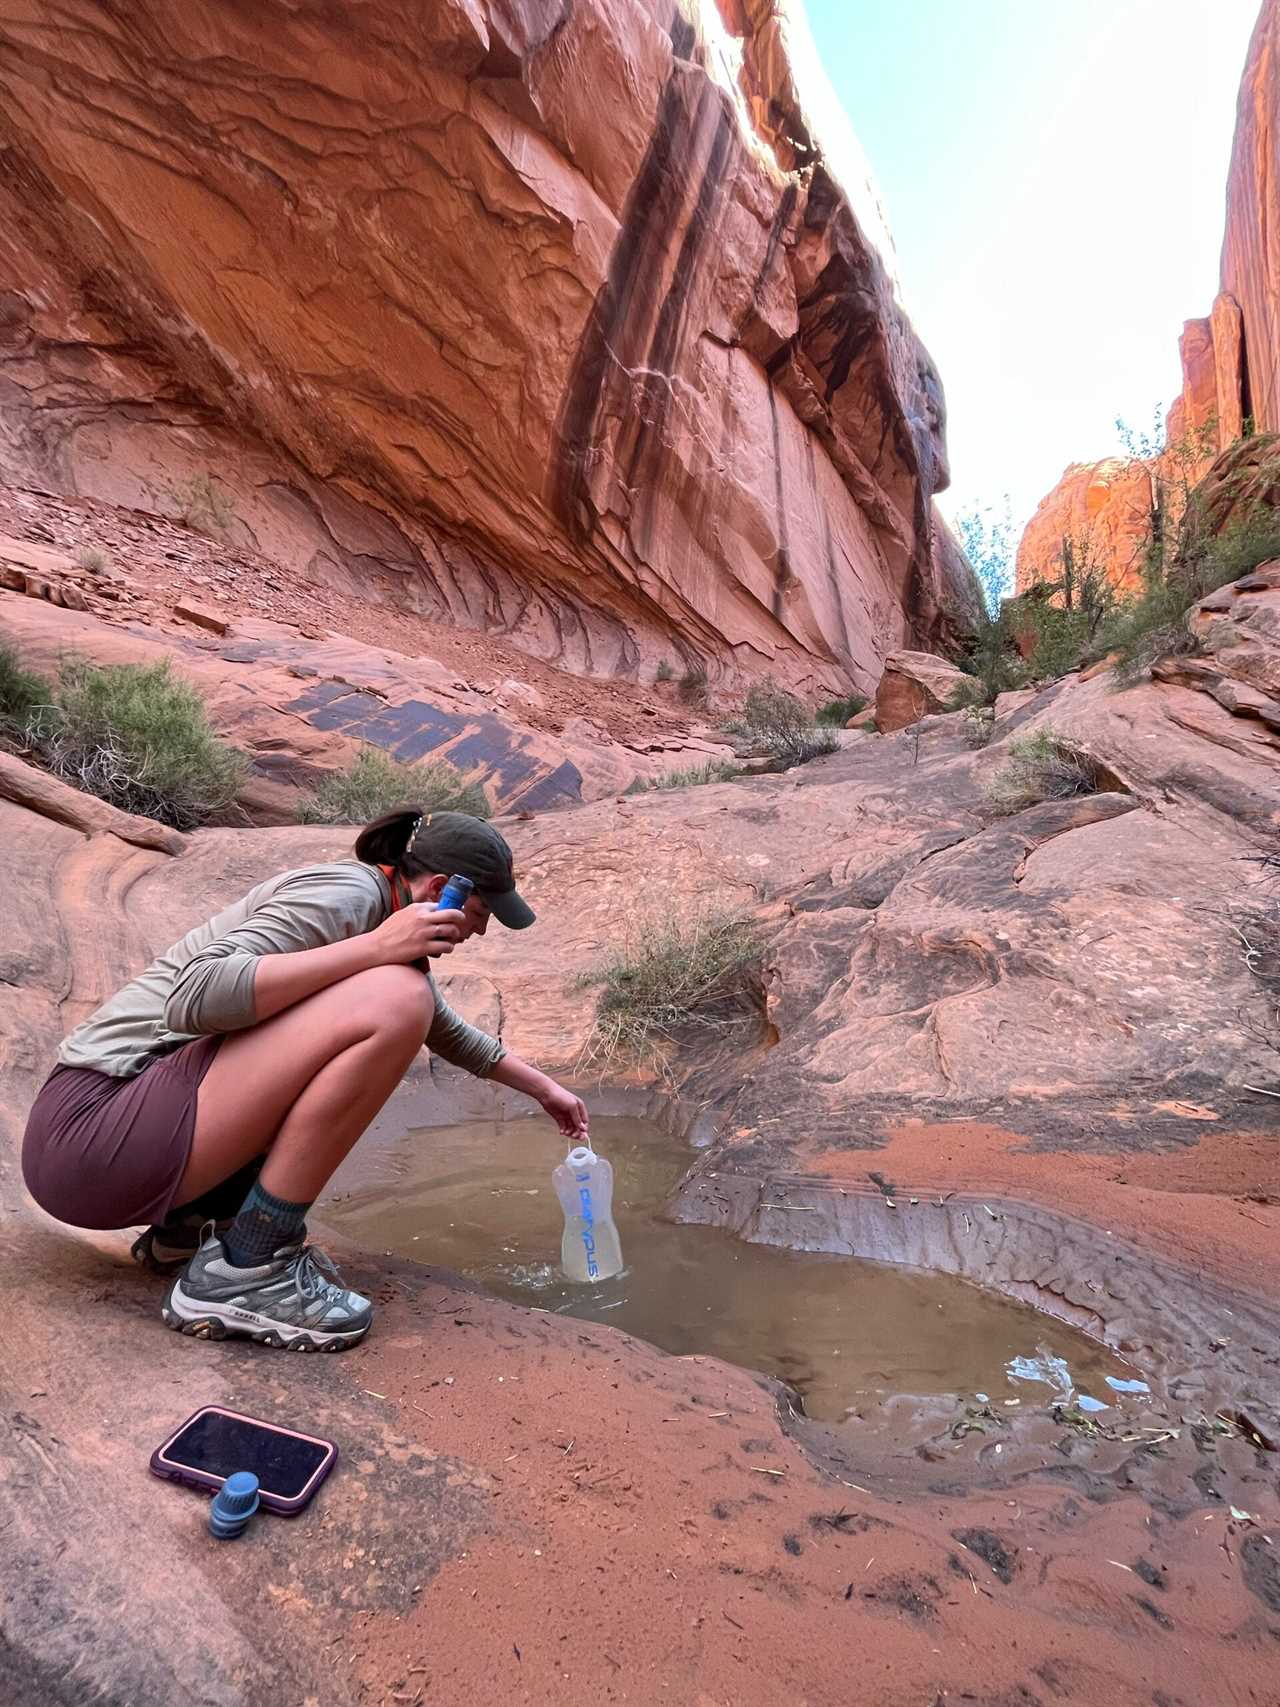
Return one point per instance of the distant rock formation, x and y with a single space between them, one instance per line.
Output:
1230 359
550 322
1107 503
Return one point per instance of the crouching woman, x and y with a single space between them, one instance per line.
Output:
213 1097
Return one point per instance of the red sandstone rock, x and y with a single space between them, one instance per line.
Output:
39 792
300 709
1073 967
1103 506
214 621
399 309
913 685
1250 261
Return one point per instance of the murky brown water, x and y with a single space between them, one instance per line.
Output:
846 1334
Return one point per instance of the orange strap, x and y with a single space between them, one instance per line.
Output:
394 878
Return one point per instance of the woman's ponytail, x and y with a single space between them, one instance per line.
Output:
388 839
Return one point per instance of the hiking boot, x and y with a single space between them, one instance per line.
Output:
296 1301
172 1244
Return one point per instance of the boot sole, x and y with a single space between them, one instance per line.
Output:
210 1322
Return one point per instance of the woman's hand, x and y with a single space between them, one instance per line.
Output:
416 931
568 1111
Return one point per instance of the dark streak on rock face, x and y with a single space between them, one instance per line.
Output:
782 563
651 210
833 577
661 360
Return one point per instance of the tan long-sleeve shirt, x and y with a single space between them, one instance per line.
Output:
204 983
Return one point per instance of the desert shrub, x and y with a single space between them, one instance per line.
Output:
201 505
670 973
664 671
715 770
375 783
91 558
1039 767
21 693
836 713
137 736
979 725
777 721
693 686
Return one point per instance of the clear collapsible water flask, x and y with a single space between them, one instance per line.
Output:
589 1250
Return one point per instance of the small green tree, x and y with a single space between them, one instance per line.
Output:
987 538
1067 613
993 661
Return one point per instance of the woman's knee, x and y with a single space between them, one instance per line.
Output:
396 999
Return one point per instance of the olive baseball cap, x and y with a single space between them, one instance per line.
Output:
456 842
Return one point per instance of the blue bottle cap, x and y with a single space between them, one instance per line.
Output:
234 1504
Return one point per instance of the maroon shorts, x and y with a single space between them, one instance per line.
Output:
106 1152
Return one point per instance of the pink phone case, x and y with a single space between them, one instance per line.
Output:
163 1466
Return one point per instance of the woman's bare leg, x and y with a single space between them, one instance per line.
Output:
304 1085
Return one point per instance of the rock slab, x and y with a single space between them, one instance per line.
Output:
398 309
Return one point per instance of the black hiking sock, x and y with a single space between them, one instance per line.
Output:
264 1225
221 1201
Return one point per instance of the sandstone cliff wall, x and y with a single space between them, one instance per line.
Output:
1250 245
550 320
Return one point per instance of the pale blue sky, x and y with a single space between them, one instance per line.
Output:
1054 178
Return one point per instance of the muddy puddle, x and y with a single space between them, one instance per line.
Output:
847 1335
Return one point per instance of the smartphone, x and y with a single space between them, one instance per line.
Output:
215 1443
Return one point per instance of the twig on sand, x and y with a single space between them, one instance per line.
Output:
1259 1091
756 1470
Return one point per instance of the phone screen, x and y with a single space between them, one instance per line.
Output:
220 1445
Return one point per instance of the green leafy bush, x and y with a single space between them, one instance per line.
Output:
670 972
836 713
993 665
21 693
137 736
375 783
